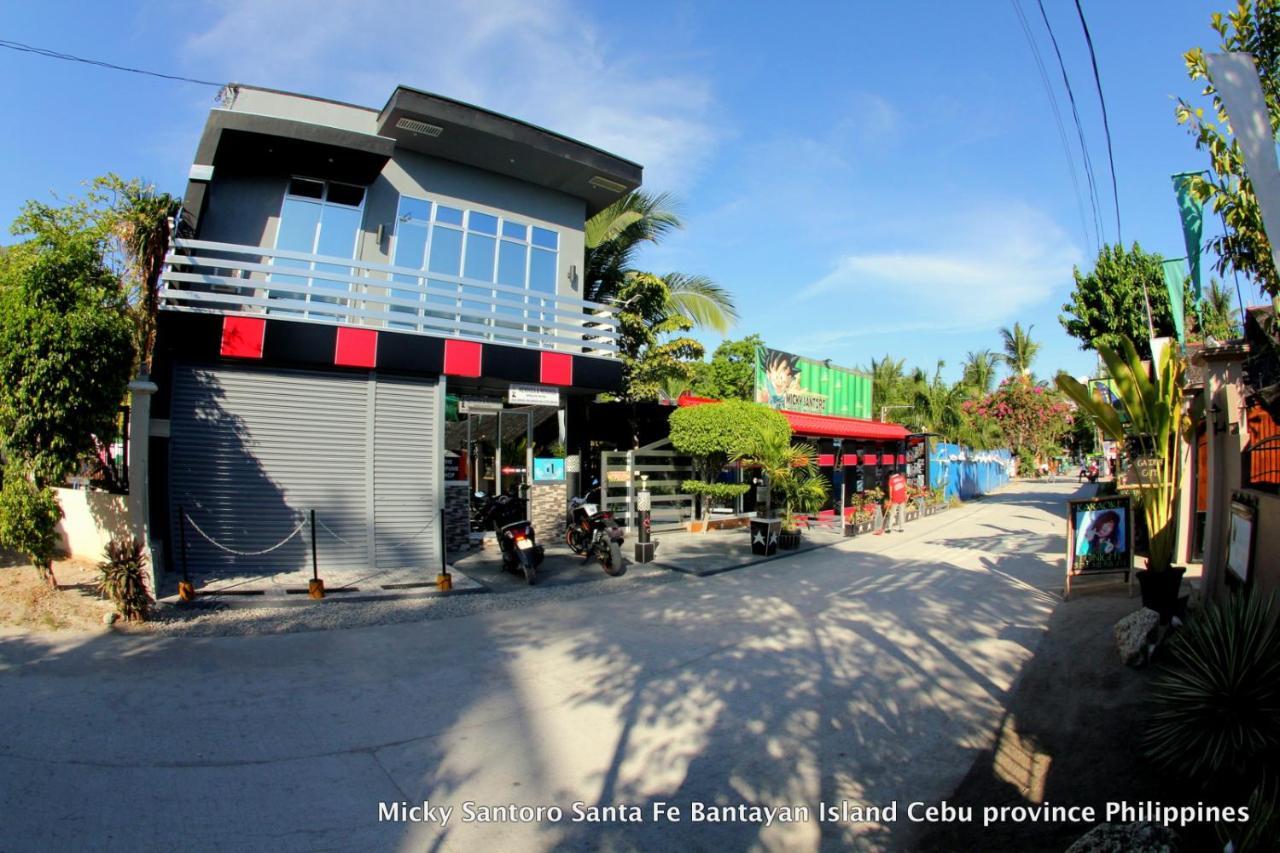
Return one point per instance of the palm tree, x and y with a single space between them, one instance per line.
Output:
937 405
887 380
979 371
141 225
1019 349
1218 317
612 237
790 469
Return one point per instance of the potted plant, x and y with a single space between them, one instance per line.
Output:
1158 422
790 470
712 495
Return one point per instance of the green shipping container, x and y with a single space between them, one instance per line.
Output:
788 381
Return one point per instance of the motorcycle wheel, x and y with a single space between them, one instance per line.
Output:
526 563
611 560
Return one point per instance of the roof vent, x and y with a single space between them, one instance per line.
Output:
432 130
606 184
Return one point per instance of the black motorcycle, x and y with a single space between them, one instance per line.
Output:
505 516
592 533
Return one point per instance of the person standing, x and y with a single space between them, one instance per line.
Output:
897 502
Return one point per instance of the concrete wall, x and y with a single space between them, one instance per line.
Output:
243 209
1223 388
1266 543
298 108
90 519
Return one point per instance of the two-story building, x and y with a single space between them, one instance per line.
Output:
359 305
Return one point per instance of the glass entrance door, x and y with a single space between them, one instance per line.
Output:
482 443
513 471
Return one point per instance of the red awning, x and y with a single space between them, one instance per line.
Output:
825 426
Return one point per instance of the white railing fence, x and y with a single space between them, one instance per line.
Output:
202 275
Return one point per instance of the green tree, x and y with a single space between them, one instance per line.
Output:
615 234
890 385
1218 315
140 223
788 469
1019 349
937 406
714 433
1032 419
66 350
1108 303
1253 28
731 372
652 344
979 371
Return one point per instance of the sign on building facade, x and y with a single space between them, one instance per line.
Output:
798 384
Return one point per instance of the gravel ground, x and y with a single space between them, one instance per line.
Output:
208 618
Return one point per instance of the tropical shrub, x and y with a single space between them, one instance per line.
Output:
1217 704
723 494
1157 419
122 579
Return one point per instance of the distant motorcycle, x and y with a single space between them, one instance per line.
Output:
592 533
505 515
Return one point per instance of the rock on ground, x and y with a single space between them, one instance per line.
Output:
1127 838
1133 633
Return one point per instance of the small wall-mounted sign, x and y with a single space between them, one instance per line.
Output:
478 406
532 395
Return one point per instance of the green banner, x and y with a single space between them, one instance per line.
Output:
1192 213
788 381
1175 280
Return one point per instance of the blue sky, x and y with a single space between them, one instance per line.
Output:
866 178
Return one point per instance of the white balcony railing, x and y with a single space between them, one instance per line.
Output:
225 278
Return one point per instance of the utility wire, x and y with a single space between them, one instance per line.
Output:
1106 125
67 57
1062 131
1075 112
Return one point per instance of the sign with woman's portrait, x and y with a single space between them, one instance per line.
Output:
1099 535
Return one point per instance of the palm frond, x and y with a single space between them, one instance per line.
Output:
705 303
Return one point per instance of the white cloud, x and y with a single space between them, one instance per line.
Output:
541 62
986 269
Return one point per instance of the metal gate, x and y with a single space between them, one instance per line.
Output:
253 451
621 475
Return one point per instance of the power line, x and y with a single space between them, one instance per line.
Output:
1106 125
68 57
1062 131
1075 112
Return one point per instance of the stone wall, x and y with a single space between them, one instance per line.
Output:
457 516
547 504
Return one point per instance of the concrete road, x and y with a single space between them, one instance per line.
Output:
867 673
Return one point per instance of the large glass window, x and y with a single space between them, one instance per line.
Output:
317 218
479 247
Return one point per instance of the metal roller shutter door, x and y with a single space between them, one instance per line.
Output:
405 507
251 451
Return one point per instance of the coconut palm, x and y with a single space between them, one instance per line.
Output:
1019 349
888 383
1218 316
979 371
614 235
937 405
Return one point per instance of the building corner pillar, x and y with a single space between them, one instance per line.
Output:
140 391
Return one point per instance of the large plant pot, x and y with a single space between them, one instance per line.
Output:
1160 590
789 541
764 536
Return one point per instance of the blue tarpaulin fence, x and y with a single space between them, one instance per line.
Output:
966 472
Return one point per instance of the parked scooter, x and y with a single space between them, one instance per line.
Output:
592 533
505 515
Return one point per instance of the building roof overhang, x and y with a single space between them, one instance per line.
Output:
497 143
